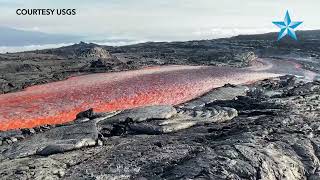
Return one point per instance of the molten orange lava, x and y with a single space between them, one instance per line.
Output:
60 102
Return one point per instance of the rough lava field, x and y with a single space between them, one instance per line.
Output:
245 107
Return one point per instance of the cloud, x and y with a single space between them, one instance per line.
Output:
154 19
9 49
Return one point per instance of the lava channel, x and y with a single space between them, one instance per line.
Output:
60 102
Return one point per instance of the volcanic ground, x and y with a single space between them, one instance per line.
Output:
246 107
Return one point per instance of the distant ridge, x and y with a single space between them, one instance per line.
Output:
302 35
15 37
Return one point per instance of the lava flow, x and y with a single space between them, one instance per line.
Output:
60 102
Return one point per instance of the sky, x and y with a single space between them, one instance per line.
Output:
161 19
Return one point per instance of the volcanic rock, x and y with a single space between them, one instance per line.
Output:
30 168
223 93
86 114
56 140
174 124
95 52
269 138
142 114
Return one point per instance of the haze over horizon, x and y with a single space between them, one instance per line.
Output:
152 20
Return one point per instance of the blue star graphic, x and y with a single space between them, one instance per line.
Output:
287 27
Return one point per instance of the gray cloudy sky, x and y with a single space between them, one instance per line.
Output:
161 19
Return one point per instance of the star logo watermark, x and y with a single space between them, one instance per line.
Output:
287 27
